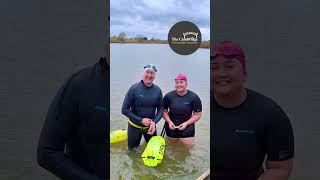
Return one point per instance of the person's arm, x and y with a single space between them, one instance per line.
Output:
166 117
277 170
57 129
159 109
279 141
197 108
126 107
165 114
195 117
159 114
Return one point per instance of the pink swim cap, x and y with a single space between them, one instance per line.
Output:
229 50
181 77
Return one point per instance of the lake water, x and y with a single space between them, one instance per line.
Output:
127 62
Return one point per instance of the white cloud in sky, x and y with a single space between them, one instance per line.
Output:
154 18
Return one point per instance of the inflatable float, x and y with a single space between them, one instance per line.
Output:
154 151
118 135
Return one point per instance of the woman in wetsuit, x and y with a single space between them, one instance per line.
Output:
247 129
182 109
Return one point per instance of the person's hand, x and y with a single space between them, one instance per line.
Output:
183 126
146 121
152 128
171 125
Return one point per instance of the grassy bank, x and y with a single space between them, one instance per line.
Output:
205 44
139 41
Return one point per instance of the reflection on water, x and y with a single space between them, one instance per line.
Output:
178 162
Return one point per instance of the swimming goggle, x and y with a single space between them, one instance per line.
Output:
150 66
228 53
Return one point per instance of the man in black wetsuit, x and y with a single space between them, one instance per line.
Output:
74 142
144 108
246 126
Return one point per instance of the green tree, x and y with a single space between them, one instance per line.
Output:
122 36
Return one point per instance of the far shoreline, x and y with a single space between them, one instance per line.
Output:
204 44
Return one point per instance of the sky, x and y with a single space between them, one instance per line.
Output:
154 18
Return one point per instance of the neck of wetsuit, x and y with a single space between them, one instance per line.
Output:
146 84
183 93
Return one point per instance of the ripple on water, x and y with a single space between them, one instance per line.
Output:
178 163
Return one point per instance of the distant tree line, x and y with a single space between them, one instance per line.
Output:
122 38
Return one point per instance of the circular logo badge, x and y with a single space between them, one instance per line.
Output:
184 38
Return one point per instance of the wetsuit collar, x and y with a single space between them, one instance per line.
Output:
104 66
145 84
184 94
213 99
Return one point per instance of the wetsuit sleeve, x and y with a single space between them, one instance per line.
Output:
57 129
279 139
197 105
126 107
166 102
159 108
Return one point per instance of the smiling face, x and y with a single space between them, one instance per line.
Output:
227 76
148 77
181 86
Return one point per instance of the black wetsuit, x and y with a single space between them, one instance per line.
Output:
140 102
241 137
74 141
181 109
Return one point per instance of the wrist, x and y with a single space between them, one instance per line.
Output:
168 121
172 123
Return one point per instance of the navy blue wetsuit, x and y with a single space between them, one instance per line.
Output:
243 136
140 102
181 109
74 142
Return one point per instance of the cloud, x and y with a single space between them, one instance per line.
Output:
154 18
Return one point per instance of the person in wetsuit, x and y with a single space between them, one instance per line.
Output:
143 106
74 142
182 109
247 128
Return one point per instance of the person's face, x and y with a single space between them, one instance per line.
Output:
180 85
227 76
148 76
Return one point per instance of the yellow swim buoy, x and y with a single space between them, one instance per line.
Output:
118 135
154 151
